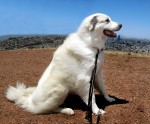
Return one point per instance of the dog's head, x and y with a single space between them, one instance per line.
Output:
101 25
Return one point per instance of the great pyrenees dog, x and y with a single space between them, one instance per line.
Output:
70 70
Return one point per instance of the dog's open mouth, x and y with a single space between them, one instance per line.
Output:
109 33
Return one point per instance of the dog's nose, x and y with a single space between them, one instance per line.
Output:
120 25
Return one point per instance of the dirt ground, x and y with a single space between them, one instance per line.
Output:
127 79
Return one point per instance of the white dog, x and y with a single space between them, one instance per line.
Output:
70 70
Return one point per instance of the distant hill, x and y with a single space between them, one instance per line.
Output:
6 37
13 42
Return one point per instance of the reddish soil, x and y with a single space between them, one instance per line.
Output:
127 79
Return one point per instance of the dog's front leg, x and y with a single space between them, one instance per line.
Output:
84 96
83 91
100 86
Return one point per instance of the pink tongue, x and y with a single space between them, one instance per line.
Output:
109 32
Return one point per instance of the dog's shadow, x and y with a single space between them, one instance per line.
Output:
75 102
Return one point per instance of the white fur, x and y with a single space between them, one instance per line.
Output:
69 71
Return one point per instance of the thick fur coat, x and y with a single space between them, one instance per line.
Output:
70 70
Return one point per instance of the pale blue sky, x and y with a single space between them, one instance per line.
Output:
64 16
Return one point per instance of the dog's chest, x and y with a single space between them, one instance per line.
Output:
88 65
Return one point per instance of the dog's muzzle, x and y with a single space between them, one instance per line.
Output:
110 33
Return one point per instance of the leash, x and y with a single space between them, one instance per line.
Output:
89 111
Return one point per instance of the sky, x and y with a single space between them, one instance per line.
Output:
65 16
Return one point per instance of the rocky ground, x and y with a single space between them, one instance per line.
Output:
127 79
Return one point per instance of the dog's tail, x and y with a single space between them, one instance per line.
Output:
15 93
23 97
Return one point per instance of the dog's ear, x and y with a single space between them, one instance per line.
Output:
92 24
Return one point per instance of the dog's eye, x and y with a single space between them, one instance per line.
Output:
107 20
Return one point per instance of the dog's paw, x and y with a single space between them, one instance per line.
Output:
110 99
68 111
99 112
